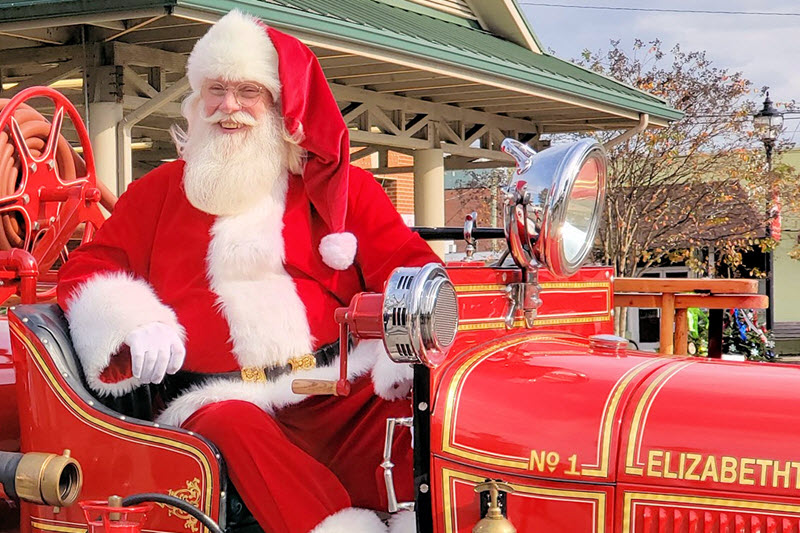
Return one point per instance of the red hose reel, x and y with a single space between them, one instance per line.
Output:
46 190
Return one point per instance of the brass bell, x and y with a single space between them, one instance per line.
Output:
494 521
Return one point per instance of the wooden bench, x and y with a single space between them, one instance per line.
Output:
675 296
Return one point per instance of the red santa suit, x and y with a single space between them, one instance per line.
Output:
255 289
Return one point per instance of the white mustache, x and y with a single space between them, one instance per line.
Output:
240 117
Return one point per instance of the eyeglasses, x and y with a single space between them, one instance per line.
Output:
246 94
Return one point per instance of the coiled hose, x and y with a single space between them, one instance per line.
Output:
35 131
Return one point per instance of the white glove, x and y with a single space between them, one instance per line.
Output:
156 349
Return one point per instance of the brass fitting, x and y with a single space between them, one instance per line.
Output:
49 479
494 521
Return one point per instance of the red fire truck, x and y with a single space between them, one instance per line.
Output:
528 412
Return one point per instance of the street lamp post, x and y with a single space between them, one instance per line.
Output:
768 123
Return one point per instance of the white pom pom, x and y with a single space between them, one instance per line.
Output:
338 250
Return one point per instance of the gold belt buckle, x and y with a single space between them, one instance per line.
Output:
253 374
303 362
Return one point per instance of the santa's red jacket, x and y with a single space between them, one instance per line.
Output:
158 258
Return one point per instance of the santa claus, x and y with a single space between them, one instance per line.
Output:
225 267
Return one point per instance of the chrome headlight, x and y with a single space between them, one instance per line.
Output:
554 203
420 315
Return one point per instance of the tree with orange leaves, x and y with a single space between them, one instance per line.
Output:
696 191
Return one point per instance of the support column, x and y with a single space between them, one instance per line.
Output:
103 92
103 120
429 192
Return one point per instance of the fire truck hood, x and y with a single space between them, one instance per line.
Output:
715 425
544 405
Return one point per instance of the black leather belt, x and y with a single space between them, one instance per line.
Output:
320 358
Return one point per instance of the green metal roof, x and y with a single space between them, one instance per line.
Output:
397 26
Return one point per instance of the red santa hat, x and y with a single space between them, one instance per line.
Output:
240 47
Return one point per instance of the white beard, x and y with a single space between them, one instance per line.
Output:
226 174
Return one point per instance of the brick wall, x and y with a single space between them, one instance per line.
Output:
399 187
404 199
460 202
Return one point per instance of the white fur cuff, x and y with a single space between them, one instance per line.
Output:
391 380
351 520
403 522
338 250
101 312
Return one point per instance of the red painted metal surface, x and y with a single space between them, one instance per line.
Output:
580 304
555 408
9 422
117 456
679 444
727 426
643 509
364 316
535 506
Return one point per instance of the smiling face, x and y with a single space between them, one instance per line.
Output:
234 107
235 154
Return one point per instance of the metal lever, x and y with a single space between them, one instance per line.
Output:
388 465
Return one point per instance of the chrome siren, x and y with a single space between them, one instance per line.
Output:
420 315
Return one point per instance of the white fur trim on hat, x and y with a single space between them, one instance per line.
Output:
403 522
338 250
99 323
351 520
237 47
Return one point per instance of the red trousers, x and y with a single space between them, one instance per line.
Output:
312 459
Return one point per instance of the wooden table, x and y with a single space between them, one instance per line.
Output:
675 296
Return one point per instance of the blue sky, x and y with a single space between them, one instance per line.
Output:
766 49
